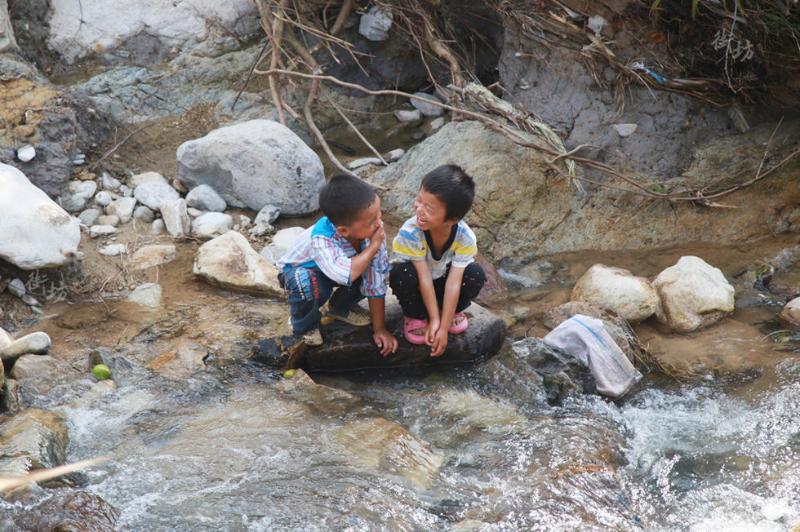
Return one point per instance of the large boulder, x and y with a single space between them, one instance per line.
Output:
7 41
617 289
230 262
347 348
693 294
34 231
252 164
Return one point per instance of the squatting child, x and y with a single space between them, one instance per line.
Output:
436 277
340 260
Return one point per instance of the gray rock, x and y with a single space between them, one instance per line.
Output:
176 219
108 219
154 255
101 230
427 109
394 155
230 262
625 130
194 213
107 182
436 124
211 224
143 214
89 217
244 221
158 227
78 194
205 198
37 343
112 250
146 177
261 229
123 208
36 436
125 191
17 287
154 193
30 301
365 161
253 164
407 115
29 366
375 24
147 295
267 215
281 242
103 198
26 153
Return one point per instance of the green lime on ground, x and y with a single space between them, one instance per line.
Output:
101 372
288 374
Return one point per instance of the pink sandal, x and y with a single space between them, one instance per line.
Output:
413 324
461 326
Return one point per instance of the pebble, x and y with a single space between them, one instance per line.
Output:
375 24
30 300
108 219
89 217
37 343
147 295
112 250
176 219
154 194
146 177
17 287
427 109
123 208
267 214
101 230
26 153
80 160
211 224
394 155
143 214
244 221
125 191
158 227
109 183
436 123
404 115
365 161
205 198
194 213
625 130
103 198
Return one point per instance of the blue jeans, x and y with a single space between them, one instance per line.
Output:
307 289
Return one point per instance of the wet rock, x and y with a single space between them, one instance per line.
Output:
71 511
253 164
211 224
77 195
230 262
146 177
147 295
89 217
153 194
281 242
180 363
617 289
427 109
112 250
108 219
154 255
205 198
323 399
34 231
791 312
176 219
36 367
408 115
35 343
347 348
37 436
123 208
103 198
728 348
374 25
96 231
143 214
693 295
385 446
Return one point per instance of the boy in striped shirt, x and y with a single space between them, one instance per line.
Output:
340 260
437 278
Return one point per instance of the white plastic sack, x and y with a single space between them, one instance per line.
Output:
587 340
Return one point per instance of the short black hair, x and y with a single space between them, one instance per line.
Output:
453 186
343 197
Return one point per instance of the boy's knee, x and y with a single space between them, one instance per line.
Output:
402 275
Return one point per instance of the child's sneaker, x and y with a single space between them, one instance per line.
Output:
357 317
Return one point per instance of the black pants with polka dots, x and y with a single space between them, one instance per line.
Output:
405 285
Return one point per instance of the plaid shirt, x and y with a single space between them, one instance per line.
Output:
321 247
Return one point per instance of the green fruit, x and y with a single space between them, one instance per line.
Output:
288 374
101 372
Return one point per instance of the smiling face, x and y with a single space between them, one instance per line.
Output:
365 224
431 211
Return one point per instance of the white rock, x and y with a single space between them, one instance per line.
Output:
143 214
146 177
78 194
405 115
205 198
108 219
436 124
244 221
281 242
375 24
211 224
109 183
125 191
625 130
89 217
261 229
35 367
194 213
17 287
596 23
103 198
427 109
791 312
158 227
36 343
176 219
394 155
122 208
364 161
255 163
26 153
230 262
154 193
5 339
147 295
268 214
112 250
34 231
617 289
101 230
693 294
154 255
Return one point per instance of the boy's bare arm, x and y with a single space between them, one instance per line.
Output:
360 263
452 290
